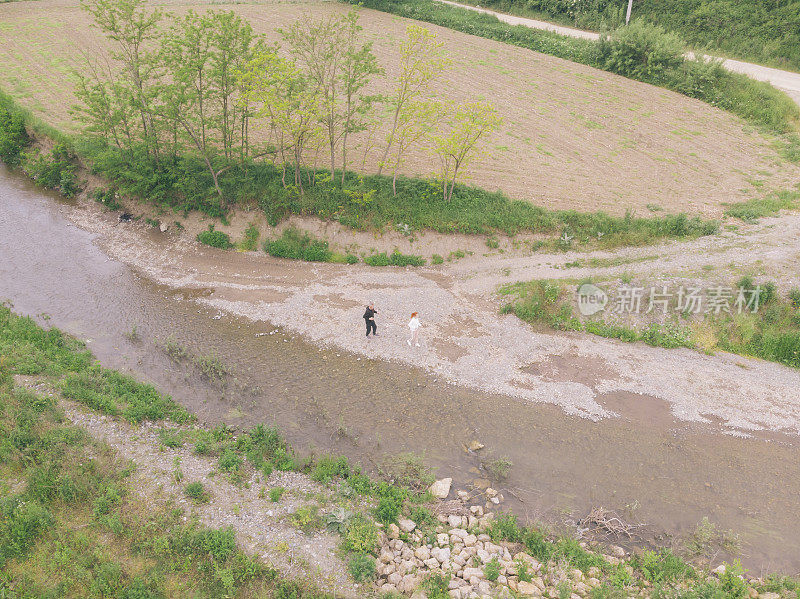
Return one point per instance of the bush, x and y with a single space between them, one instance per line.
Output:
395 259
250 241
197 492
230 461
22 522
492 570
361 535
299 246
108 197
330 467
275 494
437 586
794 297
388 510
216 239
307 518
55 170
361 567
13 136
641 51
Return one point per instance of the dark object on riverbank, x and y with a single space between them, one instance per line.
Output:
125 217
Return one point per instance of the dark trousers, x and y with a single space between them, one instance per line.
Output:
371 327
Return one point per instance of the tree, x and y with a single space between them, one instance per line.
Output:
234 44
132 27
468 124
358 66
339 66
421 62
416 121
290 102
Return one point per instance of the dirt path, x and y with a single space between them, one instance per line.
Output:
467 342
785 81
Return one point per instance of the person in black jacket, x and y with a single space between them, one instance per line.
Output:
369 318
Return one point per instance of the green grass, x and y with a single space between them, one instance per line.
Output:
216 239
301 246
771 333
769 205
394 259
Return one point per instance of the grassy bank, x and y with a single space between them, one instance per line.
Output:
648 55
364 203
72 526
762 32
771 333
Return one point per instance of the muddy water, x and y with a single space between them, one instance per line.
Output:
329 401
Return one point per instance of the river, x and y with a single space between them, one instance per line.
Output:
649 466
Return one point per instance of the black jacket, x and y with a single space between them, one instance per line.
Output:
370 313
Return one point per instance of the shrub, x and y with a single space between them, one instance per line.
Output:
361 567
299 246
492 570
388 510
250 241
505 527
108 197
55 170
307 518
216 239
230 461
330 467
395 259
22 522
361 535
275 494
641 51
498 468
13 136
437 586
197 492
794 297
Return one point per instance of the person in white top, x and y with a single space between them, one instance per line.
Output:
414 325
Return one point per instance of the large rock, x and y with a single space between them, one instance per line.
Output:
394 531
422 553
408 584
441 554
528 588
407 525
470 572
441 488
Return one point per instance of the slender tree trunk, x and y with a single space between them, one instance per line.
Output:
390 141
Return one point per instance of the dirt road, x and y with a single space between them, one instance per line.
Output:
785 81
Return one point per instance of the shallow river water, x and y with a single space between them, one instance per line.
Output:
673 473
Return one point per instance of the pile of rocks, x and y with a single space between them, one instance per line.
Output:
463 552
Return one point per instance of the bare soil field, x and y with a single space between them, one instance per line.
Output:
573 137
